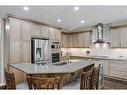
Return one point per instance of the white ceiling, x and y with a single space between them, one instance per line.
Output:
70 18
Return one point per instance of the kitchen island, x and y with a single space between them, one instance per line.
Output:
53 68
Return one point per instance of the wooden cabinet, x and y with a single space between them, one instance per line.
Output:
74 40
35 30
115 38
15 51
87 39
84 39
44 31
15 29
25 30
65 40
25 51
58 35
119 37
123 37
54 34
118 68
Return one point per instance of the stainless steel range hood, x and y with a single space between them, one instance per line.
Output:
99 28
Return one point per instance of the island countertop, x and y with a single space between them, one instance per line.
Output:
48 68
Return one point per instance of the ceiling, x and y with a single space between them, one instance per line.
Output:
70 18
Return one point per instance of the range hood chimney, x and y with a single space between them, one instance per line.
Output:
99 28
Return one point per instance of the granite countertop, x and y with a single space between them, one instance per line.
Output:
29 68
104 57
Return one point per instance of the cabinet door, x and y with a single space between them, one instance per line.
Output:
118 69
17 75
115 37
35 30
75 40
63 39
15 29
87 39
58 35
25 51
106 67
26 28
15 51
68 40
44 31
124 37
52 33
81 40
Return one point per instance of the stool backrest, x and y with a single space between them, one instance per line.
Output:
95 77
86 79
43 83
10 80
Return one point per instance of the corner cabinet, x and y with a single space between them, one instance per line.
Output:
76 40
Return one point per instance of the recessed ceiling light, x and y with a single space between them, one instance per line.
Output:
26 8
76 8
59 20
82 21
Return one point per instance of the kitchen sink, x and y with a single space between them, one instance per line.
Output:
60 63
41 63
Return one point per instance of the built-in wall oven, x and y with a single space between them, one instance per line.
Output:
55 51
55 57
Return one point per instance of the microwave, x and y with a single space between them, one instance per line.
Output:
55 46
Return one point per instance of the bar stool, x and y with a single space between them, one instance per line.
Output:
10 80
86 79
43 83
95 77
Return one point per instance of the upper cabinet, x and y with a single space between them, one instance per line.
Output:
124 37
119 37
26 29
73 40
54 34
15 29
115 38
58 34
44 31
65 40
84 39
35 30
76 40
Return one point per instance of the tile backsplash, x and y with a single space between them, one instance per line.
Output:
95 51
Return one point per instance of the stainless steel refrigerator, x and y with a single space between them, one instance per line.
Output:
39 50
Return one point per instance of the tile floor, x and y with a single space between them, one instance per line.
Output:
108 84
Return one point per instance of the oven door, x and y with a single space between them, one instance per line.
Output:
55 57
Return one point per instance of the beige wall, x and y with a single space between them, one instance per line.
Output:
1 51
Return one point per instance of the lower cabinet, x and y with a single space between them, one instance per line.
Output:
118 69
17 75
113 68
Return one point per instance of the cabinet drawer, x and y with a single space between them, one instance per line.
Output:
119 74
